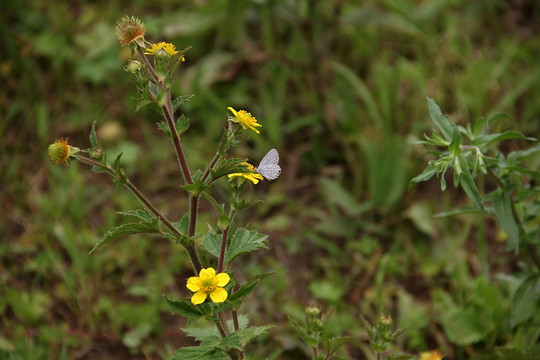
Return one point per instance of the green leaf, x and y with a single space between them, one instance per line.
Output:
162 125
333 344
182 124
246 335
142 214
455 145
181 100
212 243
195 188
229 166
220 208
93 137
199 353
201 334
184 307
341 197
247 287
232 341
465 326
244 241
427 174
182 225
505 217
479 126
510 134
525 300
442 122
123 230
468 185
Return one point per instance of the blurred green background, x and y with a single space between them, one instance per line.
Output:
340 88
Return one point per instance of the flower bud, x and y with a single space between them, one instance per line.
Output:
312 311
60 151
133 66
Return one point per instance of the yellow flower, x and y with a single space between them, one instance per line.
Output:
208 283
245 119
252 176
169 48
130 29
432 355
60 151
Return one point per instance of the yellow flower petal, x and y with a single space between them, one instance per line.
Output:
194 283
222 279
207 273
198 297
245 119
219 295
431 355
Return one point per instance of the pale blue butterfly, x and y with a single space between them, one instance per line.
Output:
269 167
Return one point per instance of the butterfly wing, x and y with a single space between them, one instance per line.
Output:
269 167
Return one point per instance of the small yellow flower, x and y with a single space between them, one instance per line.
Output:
431 355
60 151
169 48
245 119
252 176
208 283
130 29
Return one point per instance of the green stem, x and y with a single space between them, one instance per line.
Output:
224 237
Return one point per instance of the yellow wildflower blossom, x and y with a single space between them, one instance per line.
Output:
245 119
60 151
208 283
431 355
252 176
169 48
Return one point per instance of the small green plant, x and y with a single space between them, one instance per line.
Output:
216 292
312 333
473 154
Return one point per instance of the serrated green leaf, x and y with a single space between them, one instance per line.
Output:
231 341
244 204
182 124
229 166
195 188
333 344
244 241
247 287
510 134
503 212
142 214
93 137
182 225
246 335
153 89
525 300
201 334
162 125
123 230
212 243
179 101
444 125
220 208
468 185
199 353
184 307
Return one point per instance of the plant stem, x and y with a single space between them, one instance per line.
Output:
224 237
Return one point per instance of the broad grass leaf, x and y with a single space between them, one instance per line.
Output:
442 122
525 300
468 185
505 217
244 241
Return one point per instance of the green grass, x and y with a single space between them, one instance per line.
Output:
340 88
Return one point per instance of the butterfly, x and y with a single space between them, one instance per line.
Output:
269 167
